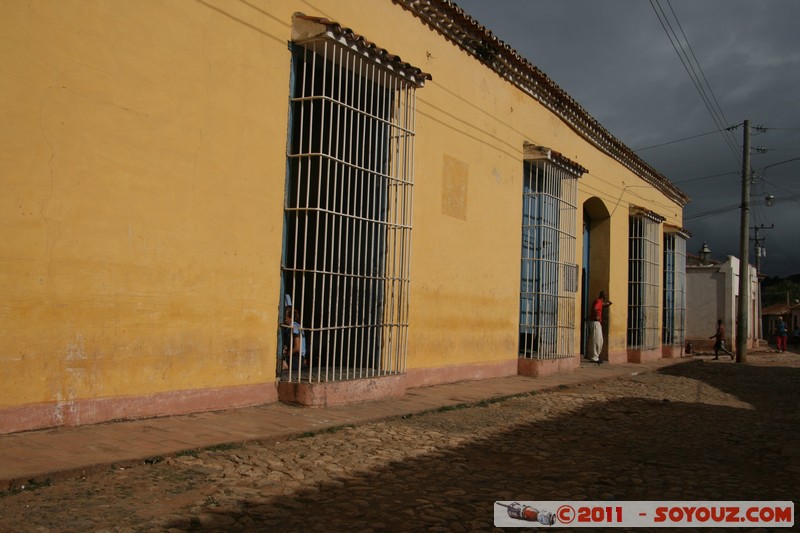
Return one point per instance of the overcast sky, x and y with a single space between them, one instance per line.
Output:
615 58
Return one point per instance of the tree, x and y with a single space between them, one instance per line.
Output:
777 290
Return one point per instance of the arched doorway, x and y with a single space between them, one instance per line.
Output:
596 261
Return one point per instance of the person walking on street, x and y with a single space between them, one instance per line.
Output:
719 344
596 327
781 334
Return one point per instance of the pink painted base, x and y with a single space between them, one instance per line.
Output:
341 392
424 377
94 411
672 352
617 357
644 356
540 368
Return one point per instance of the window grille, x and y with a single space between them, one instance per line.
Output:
549 273
347 245
674 317
643 283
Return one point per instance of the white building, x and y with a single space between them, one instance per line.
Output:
712 293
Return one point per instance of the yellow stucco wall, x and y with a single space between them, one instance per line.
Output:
142 153
465 287
142 159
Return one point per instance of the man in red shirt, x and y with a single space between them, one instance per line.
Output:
596 327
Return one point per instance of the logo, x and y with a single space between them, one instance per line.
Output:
529 514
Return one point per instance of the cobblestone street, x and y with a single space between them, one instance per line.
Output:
704 430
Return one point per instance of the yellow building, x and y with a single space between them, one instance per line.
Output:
429 203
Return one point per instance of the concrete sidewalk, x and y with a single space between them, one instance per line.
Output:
37 456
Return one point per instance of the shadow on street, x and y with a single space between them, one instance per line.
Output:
624 449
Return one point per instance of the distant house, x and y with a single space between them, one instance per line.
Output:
712 293
790 314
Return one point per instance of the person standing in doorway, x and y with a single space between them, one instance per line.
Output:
596 327
781 333
719 343
796 338
294 341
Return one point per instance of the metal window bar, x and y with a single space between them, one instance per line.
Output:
668 317
679 337
674 312
549 271
643 283
347 215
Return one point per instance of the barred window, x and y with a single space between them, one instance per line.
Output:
643 282
347 228
674 314
549 273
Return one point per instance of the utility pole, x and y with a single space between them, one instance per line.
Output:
744 252
758 244
759 329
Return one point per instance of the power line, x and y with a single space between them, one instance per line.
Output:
780 163
792 196
732 207
676 141
707 177
762 129
689 45
711 212
701 178
716 113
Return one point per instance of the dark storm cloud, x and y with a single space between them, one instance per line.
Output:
615 59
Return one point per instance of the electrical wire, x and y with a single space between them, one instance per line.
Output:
712 212
728 129
696 62
780 163
675 141
716 114
707 177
